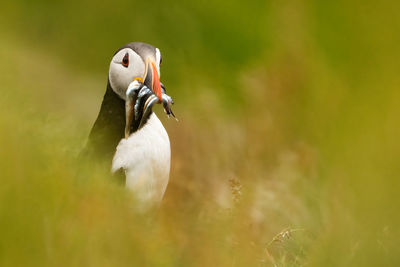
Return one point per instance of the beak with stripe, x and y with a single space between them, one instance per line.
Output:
152 78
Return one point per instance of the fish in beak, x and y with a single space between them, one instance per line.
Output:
131 97
151 81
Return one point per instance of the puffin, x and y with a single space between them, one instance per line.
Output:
127 134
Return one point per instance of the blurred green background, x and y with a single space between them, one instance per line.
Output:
286 152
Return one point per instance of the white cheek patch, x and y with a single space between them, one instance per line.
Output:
117 77
120 77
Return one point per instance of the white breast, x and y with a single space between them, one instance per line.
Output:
145 156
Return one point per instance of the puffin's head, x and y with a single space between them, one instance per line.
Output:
131 63
135 61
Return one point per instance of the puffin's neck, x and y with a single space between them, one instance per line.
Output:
109 126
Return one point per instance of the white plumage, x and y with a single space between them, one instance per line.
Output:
145 156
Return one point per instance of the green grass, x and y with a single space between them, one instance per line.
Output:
285 153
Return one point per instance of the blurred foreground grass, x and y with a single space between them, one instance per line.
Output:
286 152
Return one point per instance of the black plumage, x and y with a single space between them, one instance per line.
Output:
109 126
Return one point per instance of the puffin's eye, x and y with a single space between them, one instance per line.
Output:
160 60
125 60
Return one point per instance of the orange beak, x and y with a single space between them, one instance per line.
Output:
152 79
156 82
